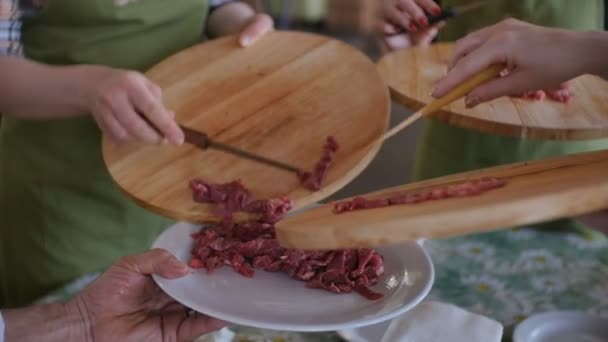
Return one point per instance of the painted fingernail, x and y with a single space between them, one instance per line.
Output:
423 21
437 11
412 27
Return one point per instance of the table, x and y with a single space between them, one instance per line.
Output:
505 275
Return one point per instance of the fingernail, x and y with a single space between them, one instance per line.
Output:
178 265
423 21
437 11
472 102
412 27
245 41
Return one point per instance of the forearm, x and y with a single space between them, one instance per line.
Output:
52 322
594 52
229 19
40 92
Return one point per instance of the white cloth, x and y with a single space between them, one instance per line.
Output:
1 328
439 322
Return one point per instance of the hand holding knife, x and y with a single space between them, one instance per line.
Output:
445 14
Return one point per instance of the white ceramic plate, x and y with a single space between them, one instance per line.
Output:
276 301
562 326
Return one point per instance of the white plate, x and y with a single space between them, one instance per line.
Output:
562 326
276 301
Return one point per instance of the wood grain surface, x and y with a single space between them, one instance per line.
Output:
412 73
279 98
536 191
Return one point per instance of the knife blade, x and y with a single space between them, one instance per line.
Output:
202 141
447 13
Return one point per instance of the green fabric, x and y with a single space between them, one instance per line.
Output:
445 149
61 216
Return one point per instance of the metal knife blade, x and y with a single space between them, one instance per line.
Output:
203 141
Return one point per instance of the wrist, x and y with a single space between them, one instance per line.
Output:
593 49
50 322
84 81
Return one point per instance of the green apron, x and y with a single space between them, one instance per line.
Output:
445 149
60 214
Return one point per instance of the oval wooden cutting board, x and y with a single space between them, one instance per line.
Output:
412 74
279 98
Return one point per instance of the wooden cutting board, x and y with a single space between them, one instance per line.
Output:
536 192
412 74
279 98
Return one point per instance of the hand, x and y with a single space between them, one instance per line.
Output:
128 107
258 26
125 304
409 15
535 57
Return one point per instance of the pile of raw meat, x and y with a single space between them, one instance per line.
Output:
250 245
470 188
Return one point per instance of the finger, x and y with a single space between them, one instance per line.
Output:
401 20
389 28
470 65
516 83
131 121
155 112
110 126
154 89
425 37
197 325
261 24
468 44
430 7
156 261
415 13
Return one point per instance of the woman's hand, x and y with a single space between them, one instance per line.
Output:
259 25
239 18
128 107
536 57
412 16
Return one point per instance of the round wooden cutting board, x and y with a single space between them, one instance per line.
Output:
412 74
279 98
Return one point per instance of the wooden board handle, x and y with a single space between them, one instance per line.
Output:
457 93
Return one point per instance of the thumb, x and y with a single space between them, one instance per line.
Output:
259 25
515 83
156 261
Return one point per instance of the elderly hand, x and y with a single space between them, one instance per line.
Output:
125 304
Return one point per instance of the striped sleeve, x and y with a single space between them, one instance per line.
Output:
10 28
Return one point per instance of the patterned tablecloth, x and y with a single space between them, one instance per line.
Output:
506 275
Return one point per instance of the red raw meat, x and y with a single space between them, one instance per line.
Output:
313 180
253 244
471 188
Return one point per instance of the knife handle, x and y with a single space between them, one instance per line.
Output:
446 14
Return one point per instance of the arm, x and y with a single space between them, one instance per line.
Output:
60 91
536 57
117 99
53 322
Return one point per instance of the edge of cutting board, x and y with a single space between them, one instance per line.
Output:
481 124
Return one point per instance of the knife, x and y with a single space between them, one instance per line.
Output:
202 141
446 14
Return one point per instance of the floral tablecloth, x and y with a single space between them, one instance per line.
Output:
505 275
